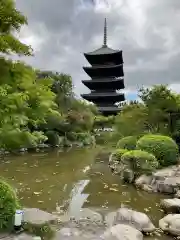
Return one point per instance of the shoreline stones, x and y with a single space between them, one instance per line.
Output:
170 205
171 224
166 181
138 220
122 232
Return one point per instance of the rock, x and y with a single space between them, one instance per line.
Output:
69 232
110 218
166 180
133 218
143 180
171 224
177 195
122 232
171 205
127 175
37 216
22 236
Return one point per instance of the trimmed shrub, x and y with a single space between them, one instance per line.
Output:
8 205
140 162
117 154
53 138
164 148
127 143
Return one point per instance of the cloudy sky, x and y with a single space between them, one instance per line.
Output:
148 32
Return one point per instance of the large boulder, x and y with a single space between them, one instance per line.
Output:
171 224
133 218
171 205
36 216
166 181
122 232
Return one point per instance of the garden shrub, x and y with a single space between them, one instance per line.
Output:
140 162
8 205
164 148
53 138
117 154
127 143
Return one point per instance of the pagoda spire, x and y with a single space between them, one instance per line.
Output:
105 33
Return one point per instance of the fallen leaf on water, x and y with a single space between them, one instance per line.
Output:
37 193
114 189
115 185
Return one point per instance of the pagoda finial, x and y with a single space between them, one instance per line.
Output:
105 33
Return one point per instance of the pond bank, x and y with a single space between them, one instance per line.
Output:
69 181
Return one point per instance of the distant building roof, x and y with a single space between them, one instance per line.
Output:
103 50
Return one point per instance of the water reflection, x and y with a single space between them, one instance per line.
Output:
69 181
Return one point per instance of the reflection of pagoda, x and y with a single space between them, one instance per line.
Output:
106 72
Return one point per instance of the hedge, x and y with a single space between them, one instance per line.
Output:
140 162
164 148
8 205
127 143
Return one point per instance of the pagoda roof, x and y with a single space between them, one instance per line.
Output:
109 109
103 51
115 83
106 97
105 71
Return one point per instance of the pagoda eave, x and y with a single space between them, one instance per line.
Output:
103 55
114 110
104 97
105 71
99 84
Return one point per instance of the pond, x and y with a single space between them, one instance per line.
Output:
74 179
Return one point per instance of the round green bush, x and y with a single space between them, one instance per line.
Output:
53 138
164 148
127 143
117 154
140 162
8 205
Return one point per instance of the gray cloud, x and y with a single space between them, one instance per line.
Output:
147 31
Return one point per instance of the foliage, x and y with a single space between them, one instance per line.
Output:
118 153
8 205
132 120
127 142
62 87
53 138
11 22
141 162
157 113
164 148
44 230
102 121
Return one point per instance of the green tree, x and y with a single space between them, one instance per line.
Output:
132 120
24 101
62 86
11 21
160 102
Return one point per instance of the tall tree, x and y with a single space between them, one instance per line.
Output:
11 21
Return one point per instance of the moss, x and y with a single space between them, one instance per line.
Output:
140 162
127 143
44 230
164 148
8 205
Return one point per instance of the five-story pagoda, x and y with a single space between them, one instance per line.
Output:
107 76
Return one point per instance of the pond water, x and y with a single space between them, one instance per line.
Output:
74 179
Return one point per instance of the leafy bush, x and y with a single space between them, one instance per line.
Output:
8 205
53 138
127 143
117 154
164 148
140 162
